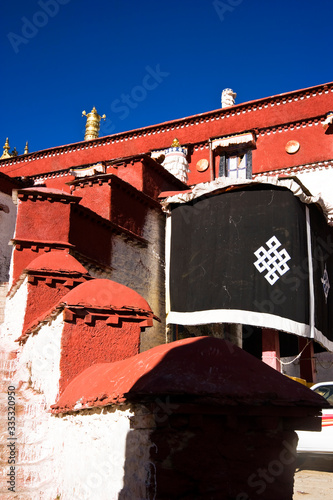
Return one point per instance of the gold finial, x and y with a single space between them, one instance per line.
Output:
175 143
6 149
93 124
26 148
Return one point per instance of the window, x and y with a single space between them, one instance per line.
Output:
235 152
236 165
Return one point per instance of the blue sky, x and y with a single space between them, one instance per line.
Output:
151 61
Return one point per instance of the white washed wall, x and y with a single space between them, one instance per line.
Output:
40 359
15 308
79 456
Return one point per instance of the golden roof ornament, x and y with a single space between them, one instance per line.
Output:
93 124
175 143
14 152
26 148
6 149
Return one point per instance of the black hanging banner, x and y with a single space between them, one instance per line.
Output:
255 255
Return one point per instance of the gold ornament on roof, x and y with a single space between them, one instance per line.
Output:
26 148
6 149
93 124
175 143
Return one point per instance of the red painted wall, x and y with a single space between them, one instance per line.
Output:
128 211
45 224
115 200
95 196
41 298
84 345
90 234
267 112
270 154
42 220
132 173
53 224
58 182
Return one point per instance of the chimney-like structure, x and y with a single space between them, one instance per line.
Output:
175 161
228 98
93 124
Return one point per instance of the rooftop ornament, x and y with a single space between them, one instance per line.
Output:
93 124
228 98
175 161
6 148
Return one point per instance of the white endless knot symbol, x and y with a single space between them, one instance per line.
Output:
326 283
272 260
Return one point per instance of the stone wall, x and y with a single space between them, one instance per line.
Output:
142 269
221 457
7 227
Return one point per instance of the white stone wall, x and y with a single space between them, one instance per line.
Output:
7 228
86 455
94 454
79 456
324 366
143 269
15 308
40 360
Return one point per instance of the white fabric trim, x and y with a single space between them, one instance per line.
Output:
263 320
167 262
311 285
224 182
328 121
235 139
88 171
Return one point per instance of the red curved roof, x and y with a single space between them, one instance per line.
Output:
103 294
202 367
56 261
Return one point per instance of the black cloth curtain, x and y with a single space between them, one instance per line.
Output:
242 257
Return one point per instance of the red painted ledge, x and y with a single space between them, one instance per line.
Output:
201 367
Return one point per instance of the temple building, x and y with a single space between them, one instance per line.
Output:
216 225
107 196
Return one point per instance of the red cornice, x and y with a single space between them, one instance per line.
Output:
201 117
43 193
307 167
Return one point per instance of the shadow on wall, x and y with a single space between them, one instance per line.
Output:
206 436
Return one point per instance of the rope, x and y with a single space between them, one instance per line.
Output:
297 357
